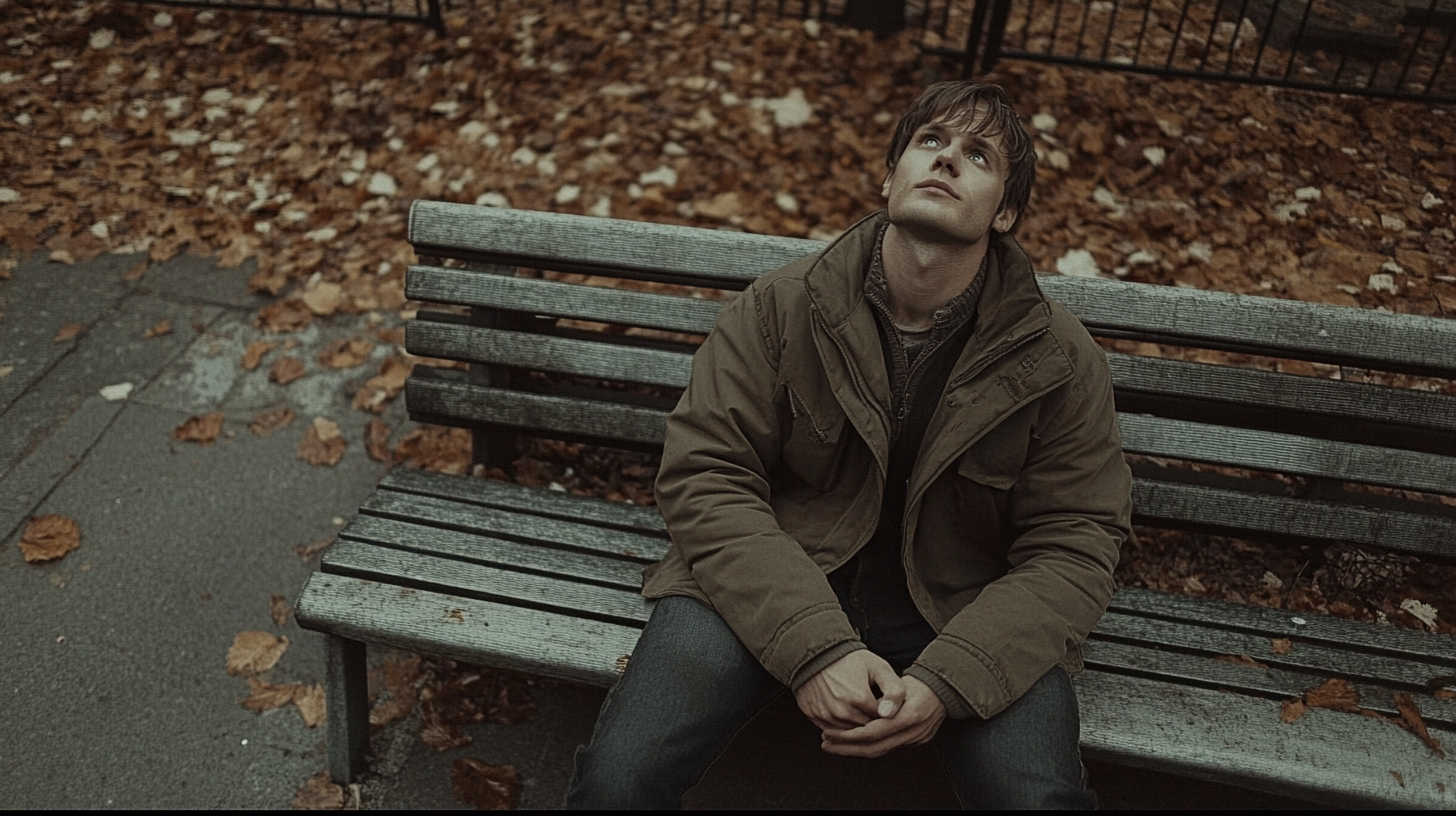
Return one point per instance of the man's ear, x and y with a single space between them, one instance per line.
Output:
1005 220
885 188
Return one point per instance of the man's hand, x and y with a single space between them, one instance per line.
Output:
916 722
839 697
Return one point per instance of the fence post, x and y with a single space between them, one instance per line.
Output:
435 19
884 17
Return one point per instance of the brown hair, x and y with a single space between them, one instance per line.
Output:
958 103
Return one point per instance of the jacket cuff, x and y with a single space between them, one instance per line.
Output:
821 661
956 706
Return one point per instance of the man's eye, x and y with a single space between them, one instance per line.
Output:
930 141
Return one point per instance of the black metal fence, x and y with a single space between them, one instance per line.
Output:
1400 49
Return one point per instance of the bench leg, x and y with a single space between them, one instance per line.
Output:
348 704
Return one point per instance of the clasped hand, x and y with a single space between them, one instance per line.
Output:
841 701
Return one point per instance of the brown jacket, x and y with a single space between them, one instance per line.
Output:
775 461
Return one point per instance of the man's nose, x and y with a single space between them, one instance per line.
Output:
947 158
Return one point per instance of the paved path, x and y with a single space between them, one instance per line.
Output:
112 684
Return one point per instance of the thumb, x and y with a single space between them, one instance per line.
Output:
892 689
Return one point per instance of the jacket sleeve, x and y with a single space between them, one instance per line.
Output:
1069 511
723 442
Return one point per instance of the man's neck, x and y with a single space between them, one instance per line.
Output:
921 277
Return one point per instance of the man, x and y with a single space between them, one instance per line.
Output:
895 487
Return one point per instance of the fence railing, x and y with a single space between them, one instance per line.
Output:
404 11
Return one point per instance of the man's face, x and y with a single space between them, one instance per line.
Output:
948 184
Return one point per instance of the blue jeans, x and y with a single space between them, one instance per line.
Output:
691 685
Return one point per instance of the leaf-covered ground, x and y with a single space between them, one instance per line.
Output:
296 144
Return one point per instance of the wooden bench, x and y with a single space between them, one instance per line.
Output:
546 582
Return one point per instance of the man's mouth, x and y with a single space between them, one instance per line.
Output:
937 185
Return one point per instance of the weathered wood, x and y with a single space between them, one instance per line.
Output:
434 395
473 631
1287 453
1326 756
605 245
1233 511
538 500
346 698
1204 383
496 552
1260 325
469 580
620 544
558 355
1295 626
468 287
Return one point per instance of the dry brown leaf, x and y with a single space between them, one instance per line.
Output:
488 787
378 390
1336 695
62 256
49 537
309 550
164 327
443 736
347 353
1280 646
376 441
400 676
1292 710
266 696
1444 694
1399 778
324 298
253 354
266 422
136 272
1411 720
68 331
255 652
318 793
278 607
1241 660
434 447
322 443
285 370
310 703
200 429
283 316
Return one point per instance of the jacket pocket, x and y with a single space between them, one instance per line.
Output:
814 448
996 459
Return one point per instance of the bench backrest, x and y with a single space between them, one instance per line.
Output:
583 329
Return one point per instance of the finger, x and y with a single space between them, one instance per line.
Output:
892 689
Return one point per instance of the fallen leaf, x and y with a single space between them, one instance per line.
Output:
136 272
283 316
309 550
5 371
1410 719
1291 710
266 696
377 391
253 354
285 370
322 443
400 676
488 787
200 429
1241 660
318 793
254 652
324 298
443 736
1399 778
376 442
266 422
1280 646
310 703
347 353
49 537
1335 694
278 607
62 256
434 447
164 327
68 331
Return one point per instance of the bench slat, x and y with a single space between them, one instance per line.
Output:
466 580
562 241
1261 325
1259 620
538 500
497 552
559 355
467 287
1326 756
625 546
1287 453
473 631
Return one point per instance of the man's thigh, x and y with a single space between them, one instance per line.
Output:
1025 757
688 688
